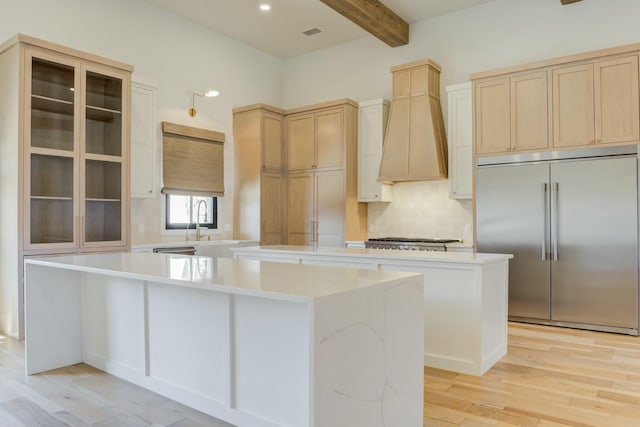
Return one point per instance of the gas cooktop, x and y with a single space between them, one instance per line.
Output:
410 243
414 240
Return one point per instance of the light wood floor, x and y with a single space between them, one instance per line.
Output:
82 396
550 377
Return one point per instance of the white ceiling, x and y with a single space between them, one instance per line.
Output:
279 32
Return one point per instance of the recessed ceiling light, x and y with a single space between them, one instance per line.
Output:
265 7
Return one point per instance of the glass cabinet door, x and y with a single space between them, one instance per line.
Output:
51 153
103 153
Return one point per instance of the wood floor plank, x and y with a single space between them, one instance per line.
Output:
551 377
30 414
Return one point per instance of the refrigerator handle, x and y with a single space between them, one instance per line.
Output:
544 221
555 191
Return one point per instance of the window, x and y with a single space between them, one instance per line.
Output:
182 211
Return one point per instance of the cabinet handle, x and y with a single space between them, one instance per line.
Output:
150 191
544 221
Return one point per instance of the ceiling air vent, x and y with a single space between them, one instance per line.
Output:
312 32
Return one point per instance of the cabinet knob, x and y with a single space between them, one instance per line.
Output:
375 195
150 191
591 141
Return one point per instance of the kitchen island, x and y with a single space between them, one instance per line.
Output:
254 344
465 296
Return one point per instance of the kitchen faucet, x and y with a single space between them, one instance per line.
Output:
198 217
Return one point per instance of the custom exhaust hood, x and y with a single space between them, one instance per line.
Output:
415 144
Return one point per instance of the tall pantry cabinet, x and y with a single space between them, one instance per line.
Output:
259 174
64 152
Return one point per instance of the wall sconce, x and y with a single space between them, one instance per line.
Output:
208 94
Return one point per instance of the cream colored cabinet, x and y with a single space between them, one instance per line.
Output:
315 140
573 106
460 141
512 113
76 153
316 207
259 190
322 204
143 145
492 116
576 101
597 102
64 157
372 124
616 100
530 111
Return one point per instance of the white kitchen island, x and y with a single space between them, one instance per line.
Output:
254 344
465 296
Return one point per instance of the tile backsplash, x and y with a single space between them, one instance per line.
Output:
146 218
422 209
418 209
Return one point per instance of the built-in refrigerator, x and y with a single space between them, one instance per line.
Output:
571 220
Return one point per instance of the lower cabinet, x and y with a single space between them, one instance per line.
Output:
316 208
465 300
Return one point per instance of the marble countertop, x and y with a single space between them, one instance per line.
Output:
387 254
270 280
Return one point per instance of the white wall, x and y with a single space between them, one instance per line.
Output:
493 35
174 55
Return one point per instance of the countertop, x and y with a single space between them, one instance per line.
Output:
180 243
276 281
387 254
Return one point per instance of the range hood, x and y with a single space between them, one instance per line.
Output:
415 144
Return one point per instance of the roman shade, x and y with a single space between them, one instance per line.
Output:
192 161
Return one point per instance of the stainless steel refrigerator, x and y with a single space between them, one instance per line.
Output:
571 220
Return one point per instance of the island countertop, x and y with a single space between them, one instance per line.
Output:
217 334
278 281
389 254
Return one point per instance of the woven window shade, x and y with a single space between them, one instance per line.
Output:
192 161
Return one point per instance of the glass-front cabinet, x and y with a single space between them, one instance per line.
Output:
76 155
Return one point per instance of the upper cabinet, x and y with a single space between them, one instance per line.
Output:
76 146
143 146
65 174
460 141
512 113
372 123
578 101
596 102
315 140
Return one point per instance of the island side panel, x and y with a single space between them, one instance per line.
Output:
452 315
368 356
495 302
188 335
53 337
113 316
272 361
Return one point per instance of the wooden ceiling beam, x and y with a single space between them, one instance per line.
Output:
374 17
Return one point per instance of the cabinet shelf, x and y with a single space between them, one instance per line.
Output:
98 200
102 114
51 198
51 105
